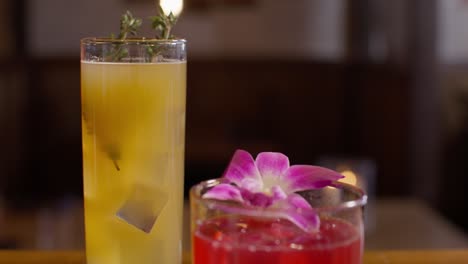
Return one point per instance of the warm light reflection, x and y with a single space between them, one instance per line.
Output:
350 177
174 6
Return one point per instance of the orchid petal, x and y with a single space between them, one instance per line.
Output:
278 193
298 201
306 177
300 212
256 199
243 172
224 191
271 166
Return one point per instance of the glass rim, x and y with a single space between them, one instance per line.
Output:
132 40
195 195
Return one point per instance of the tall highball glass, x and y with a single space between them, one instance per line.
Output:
133 124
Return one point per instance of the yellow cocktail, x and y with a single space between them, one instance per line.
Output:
133 121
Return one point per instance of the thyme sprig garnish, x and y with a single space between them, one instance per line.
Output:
163 24
129 25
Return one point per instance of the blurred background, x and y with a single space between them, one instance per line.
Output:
375 88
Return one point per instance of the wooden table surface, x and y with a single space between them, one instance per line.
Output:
370 257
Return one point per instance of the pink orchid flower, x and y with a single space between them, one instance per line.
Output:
269 182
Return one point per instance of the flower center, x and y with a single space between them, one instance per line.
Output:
268 191
269 181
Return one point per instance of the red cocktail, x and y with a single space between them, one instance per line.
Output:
251 240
